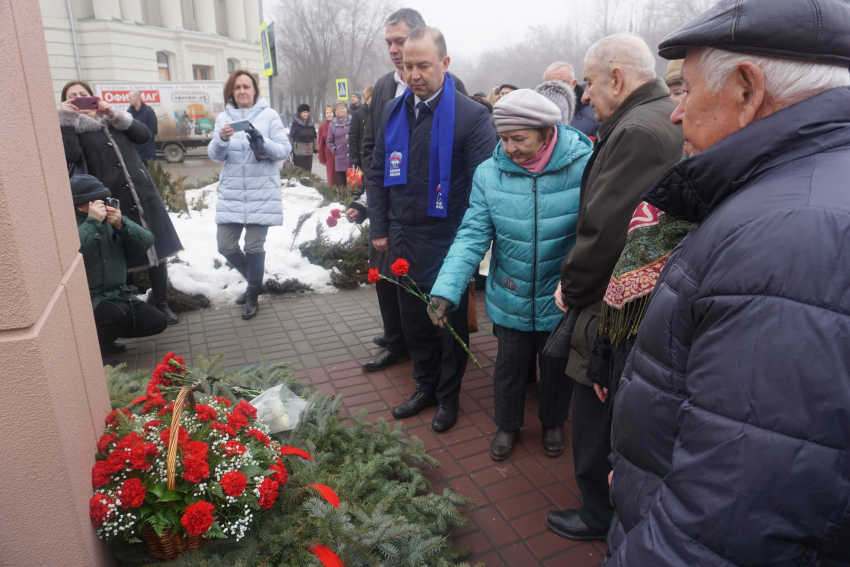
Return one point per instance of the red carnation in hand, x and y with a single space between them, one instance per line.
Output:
205 412
198 518
400 267
280 475
130 441
105 441
234 483
99 511
237 420
246 409
331 221
225 428
140 456
374 275
233 448
132 493
196 467
116 461
259 436
335 213
182 436
99 476
223 401
268 492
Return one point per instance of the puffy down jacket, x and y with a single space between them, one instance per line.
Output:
249 191
731 431
531 220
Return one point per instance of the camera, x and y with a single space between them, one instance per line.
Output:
111 202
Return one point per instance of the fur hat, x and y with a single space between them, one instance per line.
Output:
301 108
338 103
562 95
87 188
524 108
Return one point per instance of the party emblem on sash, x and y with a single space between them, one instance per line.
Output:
395 164
439 204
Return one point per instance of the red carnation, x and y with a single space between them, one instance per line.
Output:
140 456
198 518
99 476
225 428
112 417
331 221
374 275
237 420
196 467
168 408
196 448
223 401
182 436
234 483
246 409
132 493
154 401
130 441
400 267
259 436
99 511
233 448
205 412
105 441
268 492
172 355
116 460
152 424
280 475
335 213
159 378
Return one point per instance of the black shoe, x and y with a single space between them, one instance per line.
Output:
384 360
567 524
170 316
240 299
503 444
381 340
117 348
553 441
417 402
445 417
256 269
107 361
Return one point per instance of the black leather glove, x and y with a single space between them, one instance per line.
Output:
438 310
256 141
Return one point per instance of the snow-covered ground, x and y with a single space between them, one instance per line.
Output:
283 260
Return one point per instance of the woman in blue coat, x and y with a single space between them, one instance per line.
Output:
525 201
249 194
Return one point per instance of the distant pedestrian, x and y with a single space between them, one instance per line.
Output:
583 119
358 129
674 80
288 121
355 103
505 89
302 135
338 140
144 114
326 155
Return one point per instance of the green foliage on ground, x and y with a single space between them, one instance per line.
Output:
177 300
349 260
388 516
172 190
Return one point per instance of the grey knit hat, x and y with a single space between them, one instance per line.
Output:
562 95
524 108
87 188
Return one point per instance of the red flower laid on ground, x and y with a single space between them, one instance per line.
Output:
335 213
374 275
246 409
331 221
198 518
268 492
325 555
280 475
234 483
400 267
205 412
132 493
236 420
99 511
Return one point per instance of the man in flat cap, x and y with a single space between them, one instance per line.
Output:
731 431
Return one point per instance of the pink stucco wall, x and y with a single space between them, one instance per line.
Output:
53 392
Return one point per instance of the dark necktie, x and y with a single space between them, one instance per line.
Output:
423 110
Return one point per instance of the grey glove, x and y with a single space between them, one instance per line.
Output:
438 310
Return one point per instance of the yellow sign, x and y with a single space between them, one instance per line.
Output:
268 64
342 89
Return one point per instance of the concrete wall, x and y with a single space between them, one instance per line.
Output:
54 393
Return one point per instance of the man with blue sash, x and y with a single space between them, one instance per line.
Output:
431 140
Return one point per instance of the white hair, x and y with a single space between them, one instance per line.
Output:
558 65
787 81
626 51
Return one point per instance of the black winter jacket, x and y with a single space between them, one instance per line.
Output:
355 135
106 145
400 212
146 116
731 430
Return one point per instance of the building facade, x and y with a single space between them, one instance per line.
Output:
150 40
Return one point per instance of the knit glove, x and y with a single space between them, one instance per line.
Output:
437 310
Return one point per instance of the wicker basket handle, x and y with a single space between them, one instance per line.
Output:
171 459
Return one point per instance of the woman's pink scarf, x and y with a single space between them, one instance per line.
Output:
539 162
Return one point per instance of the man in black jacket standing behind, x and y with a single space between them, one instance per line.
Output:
429 144
144 114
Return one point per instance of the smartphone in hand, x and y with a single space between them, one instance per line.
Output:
240 125
85 102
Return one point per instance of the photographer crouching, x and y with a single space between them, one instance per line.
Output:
107 241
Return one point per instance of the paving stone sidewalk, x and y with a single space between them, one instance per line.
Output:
327 336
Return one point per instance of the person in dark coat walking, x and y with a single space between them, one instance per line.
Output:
358 129
415 216
388 87
144 114
102 143
731 428
636 145
303 137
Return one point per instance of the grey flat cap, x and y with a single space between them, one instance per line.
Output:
806 30
524 108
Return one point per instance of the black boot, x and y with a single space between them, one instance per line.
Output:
158 277
256 269
240 263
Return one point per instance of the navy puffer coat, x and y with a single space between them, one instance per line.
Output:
731 432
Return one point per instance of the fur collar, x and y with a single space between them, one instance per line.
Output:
84 123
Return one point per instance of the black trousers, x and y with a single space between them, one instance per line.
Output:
158 278
116 320
591 447
519 355
439 361
391 315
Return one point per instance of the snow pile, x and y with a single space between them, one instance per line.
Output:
196 272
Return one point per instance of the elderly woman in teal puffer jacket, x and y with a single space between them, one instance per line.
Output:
525 200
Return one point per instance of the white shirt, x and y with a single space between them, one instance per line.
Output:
399 84
417 100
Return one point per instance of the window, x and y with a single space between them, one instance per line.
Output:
162 65
202 72
232 65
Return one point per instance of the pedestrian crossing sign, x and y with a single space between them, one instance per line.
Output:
342 89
